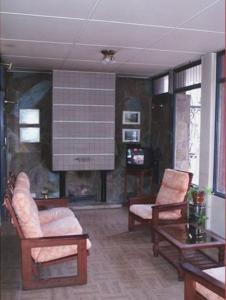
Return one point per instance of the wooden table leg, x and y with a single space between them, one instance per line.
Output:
125 187
221 255
155 244
179 269
142 183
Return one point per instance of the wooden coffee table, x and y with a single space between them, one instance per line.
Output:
183 242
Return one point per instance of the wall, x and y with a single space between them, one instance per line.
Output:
132 94
2 139
31 90
34 90
215 205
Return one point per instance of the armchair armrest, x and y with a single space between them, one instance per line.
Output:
147 199
193 274
156 209
53 202
54 241
171 206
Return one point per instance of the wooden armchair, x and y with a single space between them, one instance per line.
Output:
169 206
206 284
46 247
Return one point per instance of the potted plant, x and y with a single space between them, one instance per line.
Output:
197 195
202 220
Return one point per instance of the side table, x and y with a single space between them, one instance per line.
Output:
139 174
195 211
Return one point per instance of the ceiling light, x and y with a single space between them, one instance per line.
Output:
108 56
7 66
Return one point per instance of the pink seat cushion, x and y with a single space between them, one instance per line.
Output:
217 273
144 211
53 214
63 226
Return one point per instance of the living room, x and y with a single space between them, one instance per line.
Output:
152 74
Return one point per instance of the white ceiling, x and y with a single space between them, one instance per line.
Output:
150 36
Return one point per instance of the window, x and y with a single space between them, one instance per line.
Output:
29 125
219 151
160 84
186 77
188 118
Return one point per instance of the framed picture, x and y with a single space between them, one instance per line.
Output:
131 135
131 117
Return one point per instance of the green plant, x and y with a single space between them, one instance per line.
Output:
202 219
197 195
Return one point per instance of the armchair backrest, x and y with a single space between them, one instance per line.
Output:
23 181
23 210
174 187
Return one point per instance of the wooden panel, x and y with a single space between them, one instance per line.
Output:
83 96
80 130
84 146
71 79
83 162
83 126
83 113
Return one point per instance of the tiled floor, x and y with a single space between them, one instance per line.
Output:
120 265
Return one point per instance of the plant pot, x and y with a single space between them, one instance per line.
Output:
198 197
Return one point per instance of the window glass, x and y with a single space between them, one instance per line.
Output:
188 77
29 135
194 133
29 116
187 131
161 85
220 143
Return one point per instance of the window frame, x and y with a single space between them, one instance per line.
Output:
182 89
158 77
183 68
219 80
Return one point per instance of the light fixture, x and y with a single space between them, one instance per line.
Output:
7 66
108 56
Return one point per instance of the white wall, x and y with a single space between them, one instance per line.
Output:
215 205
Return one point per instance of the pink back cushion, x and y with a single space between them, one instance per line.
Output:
27 213
23 181
174 187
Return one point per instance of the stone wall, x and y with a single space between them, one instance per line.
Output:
34 90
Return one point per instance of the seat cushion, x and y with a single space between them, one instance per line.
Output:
217 273
53 214
145 212
63 226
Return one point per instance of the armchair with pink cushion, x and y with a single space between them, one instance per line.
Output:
208 284
47 237
169 206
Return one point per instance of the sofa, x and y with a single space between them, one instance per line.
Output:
49 235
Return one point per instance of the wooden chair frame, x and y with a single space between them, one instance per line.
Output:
193 275
30 269
156 209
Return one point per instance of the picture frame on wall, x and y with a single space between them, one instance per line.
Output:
130 135
131 117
